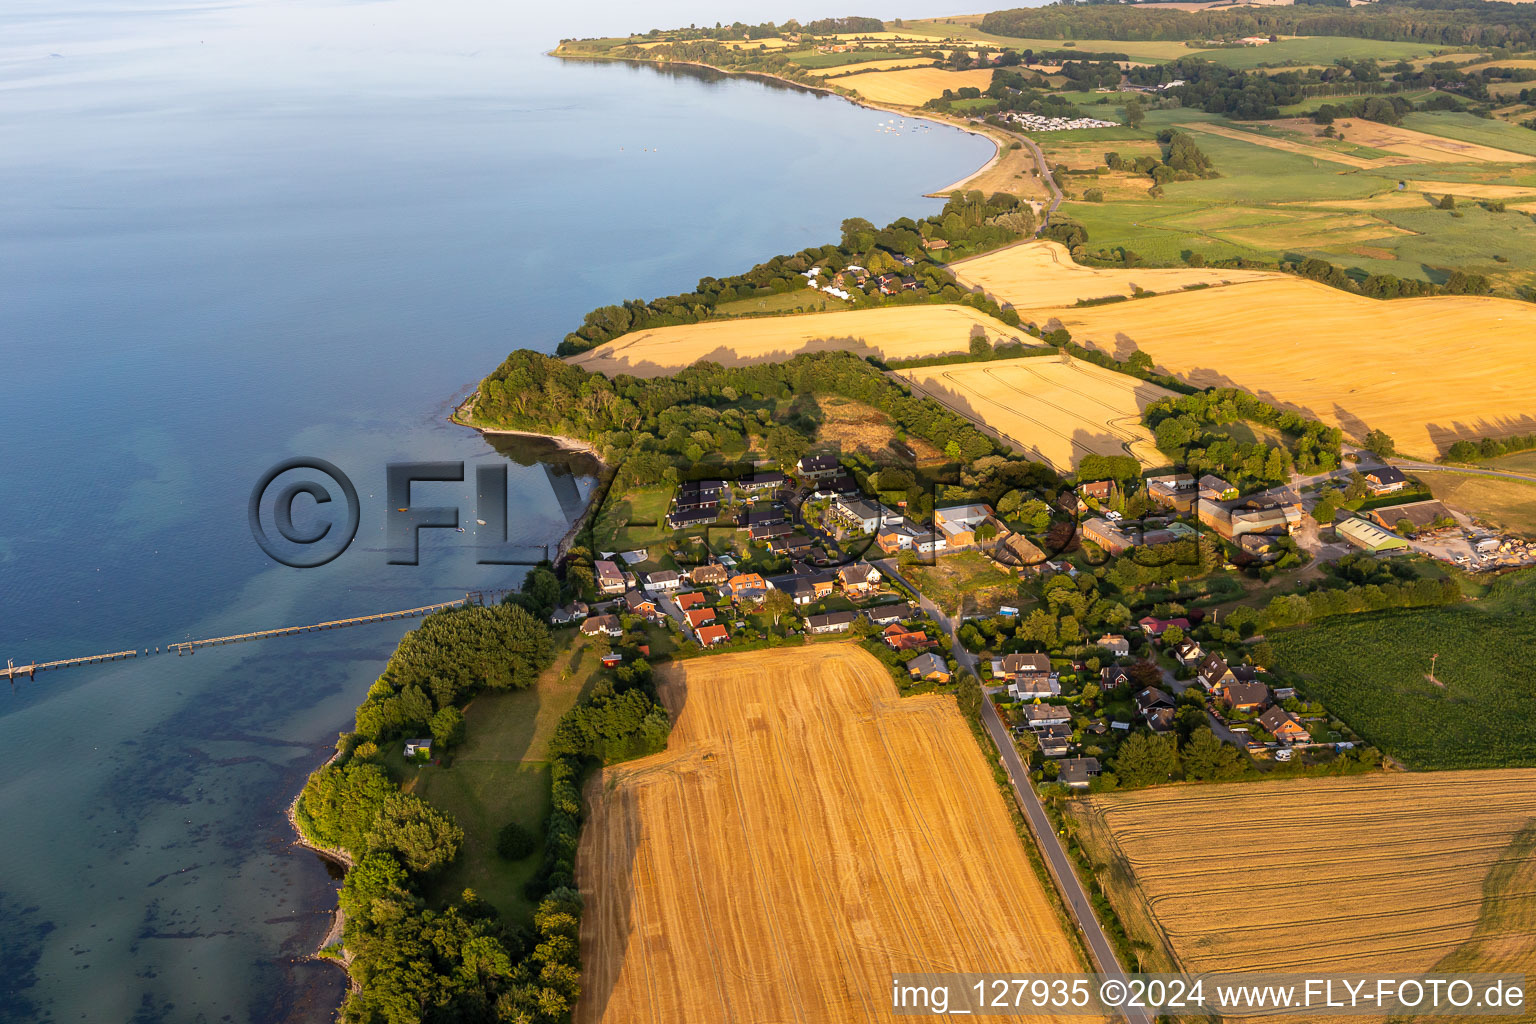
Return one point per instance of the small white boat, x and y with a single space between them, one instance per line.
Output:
480 522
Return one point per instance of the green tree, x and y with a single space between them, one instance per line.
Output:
777 603
1210 760
1380 444
1134 114
418 833
1145 760
447 727
514 841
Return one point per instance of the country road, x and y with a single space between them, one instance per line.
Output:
1434 467
1046 839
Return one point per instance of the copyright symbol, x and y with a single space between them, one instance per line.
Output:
304 548
1112 992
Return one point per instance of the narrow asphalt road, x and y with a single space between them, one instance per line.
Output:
1029 801
1431 467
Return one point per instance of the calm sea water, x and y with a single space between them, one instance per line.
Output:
235 233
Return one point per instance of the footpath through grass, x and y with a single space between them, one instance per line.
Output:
501 774
1372 670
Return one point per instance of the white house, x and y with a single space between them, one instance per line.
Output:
662 580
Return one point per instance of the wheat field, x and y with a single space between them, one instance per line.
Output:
914 86
890 332
1043 274
1056 410
1427 371
805 834
1384 873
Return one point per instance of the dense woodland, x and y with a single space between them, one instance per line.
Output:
1444 22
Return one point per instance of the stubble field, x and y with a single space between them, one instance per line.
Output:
890 332
1057 411
1391 873
914 86
1427 371
805 834
1043 274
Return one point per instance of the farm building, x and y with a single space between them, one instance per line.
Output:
1018 551
1423 516
1175 491
1368 536
1099 490
1214 488
1107 535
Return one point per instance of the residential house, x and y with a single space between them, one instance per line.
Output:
830 622
958 524
415 748
1384 480
768 480
889 284
612 660
1039 716
697 617
746 583
699 493
1156 707
1284 726
1214 488
711 575
935 244
610 578
1115 644
1176 491
1107 535
1100 491
1112 677
690 599
885 614
763 532
898 638
859 579
688 518
803 588
640 604
861 515
1078 772
794 544
1054 740
929 666
662 581
1213 673
709 636
1156 627
1017 551
818 467
843 486
568 613
1189 652
1245 696
1029 674
606 624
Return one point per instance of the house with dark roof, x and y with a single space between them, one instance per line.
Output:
1054 740
1112 677
830 622
687 518
858 579
764 480
640 604
662 580
1038 716
711 575
568 613
1151 699
1189 652
1245 696
1384 480
928 666
610 578
1213 673
885 614
1284 726
1078 772
817 467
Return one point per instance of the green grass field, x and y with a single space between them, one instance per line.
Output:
1315 50
619 524
501 774
1371 670
1508 504
801 300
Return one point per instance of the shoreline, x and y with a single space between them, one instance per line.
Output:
333 934
916 113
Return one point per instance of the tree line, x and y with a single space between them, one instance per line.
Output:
969 222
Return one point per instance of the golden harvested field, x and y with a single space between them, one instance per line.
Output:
1427 371
1474 189
891 332
806 834
1420 147
1043 274
1288 145
915 86
1057 411
1384 873
892 64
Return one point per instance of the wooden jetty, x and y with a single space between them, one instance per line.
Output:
12 671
